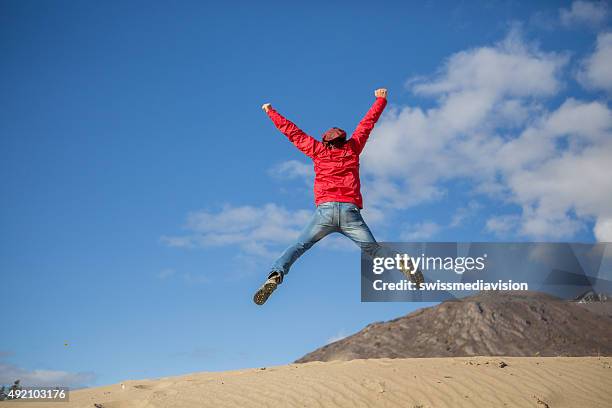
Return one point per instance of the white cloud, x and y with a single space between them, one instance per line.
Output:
39 377
596 71
502 225
511 68
252 229
586 13
603 229
421 231
491 128
477 90
571 183
293 169
464 213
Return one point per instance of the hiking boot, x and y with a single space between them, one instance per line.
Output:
415 277
269 286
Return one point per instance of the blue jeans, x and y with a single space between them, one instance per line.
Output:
329 217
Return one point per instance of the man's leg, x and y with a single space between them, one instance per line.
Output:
353 226
320 225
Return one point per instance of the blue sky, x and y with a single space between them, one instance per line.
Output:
145 193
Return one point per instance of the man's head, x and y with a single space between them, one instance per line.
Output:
334 137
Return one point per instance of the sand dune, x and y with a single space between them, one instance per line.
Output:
413 382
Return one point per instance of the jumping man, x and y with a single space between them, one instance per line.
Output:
336 188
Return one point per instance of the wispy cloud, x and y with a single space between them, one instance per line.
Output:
464 213
421 231
255 230
503 225
293 169
584 13
595 72
41 377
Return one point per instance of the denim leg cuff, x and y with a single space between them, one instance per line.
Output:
280 273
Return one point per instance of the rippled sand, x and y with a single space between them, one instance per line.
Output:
414 382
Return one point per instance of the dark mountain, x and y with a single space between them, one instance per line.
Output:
488 324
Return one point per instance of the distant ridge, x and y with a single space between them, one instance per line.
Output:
487 324
599 303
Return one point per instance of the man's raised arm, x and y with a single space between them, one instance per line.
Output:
307 144
363 130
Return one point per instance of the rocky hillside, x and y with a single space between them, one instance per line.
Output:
491 324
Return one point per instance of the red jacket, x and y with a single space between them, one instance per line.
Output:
336 170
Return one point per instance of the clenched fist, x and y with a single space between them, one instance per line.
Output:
266 107
380 93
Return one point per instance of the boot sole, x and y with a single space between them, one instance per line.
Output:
416 277
264 293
